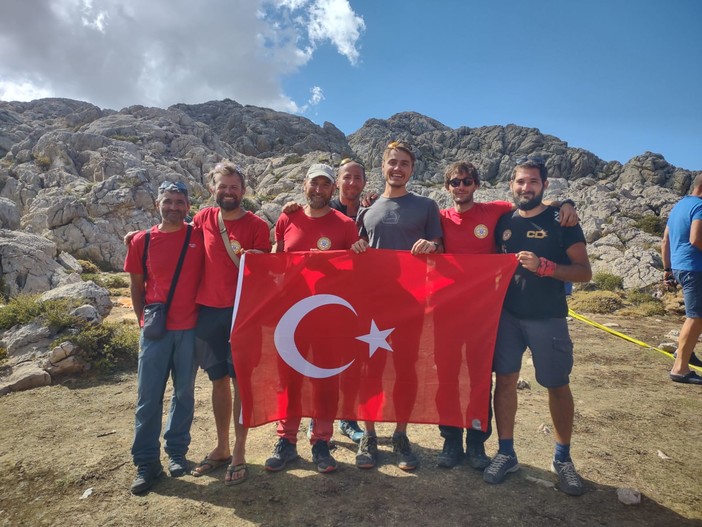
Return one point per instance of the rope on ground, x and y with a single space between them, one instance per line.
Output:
622 335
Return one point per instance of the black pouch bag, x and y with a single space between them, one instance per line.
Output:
155 321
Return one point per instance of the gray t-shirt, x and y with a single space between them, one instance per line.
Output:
397 223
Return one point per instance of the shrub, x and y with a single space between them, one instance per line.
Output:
89 267
43 162
638 297
25 308
293 160
607 281
108 281
108 345
651 224
250 204
19 310
646 309
602 302
3 354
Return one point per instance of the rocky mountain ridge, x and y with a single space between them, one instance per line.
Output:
77 177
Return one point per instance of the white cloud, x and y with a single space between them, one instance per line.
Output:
116 53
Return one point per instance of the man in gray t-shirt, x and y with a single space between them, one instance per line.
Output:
404 221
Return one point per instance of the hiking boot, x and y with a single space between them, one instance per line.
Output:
146 477
367 455
694 359
499 467
451 454
177 466
283 452
351 430
476 456
406 459
322 458
568 479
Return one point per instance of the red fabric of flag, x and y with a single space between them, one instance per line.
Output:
378 336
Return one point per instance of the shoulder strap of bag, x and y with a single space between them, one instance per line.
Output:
171 292
225 239
147 238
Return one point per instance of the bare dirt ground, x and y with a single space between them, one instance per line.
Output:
633 428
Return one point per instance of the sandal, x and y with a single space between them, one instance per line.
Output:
231 469
208 465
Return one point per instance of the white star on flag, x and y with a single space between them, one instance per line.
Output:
376 338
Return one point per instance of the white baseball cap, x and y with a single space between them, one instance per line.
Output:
320 169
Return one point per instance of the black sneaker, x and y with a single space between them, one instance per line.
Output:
451 454
146 477
283 452
367 455
177 466
322 458
406 459
476 456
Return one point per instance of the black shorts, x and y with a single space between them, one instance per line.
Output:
212 333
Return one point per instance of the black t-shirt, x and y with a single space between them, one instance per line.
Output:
528 295
337 205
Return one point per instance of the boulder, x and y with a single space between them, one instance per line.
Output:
24 376
89 291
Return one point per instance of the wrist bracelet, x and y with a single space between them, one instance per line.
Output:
568 202
546 267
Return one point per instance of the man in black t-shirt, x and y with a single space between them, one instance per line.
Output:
533 316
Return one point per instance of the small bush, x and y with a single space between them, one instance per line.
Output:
89 267
638 297
3 354
293 160
250 204
25 308
20 310
43 162
108 345
607 281
645 309
651 224
108 281
602 302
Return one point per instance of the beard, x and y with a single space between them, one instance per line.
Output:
231 204
317 202
528 204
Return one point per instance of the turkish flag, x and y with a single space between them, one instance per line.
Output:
378 336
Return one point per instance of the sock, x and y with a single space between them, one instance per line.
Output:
562 453
506 446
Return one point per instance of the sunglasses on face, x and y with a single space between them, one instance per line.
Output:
169 186
531 159
455 183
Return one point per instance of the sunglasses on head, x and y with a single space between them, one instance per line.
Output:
169 186
456 182
399 144
538 160
348 160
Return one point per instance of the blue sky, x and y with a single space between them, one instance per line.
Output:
615 77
